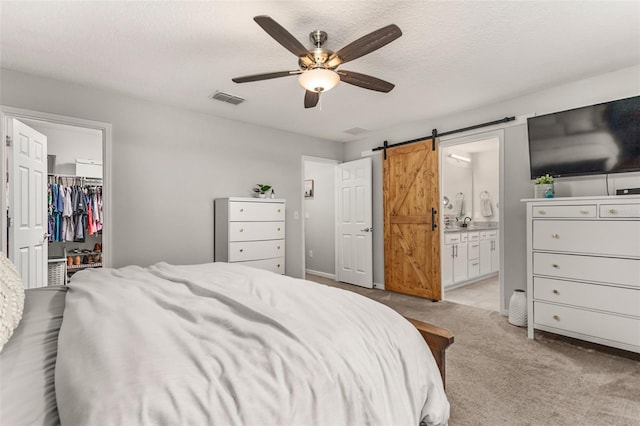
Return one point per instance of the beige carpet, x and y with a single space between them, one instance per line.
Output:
496 376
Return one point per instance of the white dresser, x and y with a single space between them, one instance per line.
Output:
250 231
583 268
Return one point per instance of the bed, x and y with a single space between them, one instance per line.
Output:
217 343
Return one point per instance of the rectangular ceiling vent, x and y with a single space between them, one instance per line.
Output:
228 98
356 131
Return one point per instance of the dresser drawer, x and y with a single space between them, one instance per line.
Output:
473 236
255 211
595 324
620 210
255 250
585 210
274 265
602 297
249 231
613 238
588 268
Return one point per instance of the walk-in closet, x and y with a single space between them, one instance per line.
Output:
74 199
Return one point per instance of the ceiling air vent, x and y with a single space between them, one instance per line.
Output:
356 131
228 98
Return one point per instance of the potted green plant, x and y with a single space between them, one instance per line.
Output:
544 187
261 190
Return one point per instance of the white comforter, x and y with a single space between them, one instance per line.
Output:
226 344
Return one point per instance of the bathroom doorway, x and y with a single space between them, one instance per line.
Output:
471 188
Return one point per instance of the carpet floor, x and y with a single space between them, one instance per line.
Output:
496 376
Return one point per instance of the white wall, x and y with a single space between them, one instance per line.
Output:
517 184
170 163
486 177
69 143
320 218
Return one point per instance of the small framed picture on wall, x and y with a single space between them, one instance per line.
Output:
308 188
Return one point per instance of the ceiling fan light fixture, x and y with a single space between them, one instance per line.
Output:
319 80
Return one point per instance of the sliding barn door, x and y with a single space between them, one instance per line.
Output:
411 235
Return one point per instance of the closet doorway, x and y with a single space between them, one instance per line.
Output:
471 190
337 228
75 161
318 212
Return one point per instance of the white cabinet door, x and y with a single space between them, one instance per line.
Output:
446 268
460 263
495 256
485 257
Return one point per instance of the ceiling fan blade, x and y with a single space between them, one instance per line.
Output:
364 45
311 99
283 36
365 81
265 76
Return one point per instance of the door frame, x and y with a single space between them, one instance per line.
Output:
335 163
6 113
465 138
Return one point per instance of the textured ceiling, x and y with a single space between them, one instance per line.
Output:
452 56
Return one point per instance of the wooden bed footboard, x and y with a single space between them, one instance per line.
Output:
438 339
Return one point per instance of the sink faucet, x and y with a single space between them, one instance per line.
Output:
465 220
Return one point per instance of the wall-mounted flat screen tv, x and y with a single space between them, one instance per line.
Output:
596 139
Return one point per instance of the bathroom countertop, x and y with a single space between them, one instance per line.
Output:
471 228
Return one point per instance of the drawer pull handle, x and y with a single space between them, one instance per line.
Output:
556 236
557 318
556 291
583 211
278 265
474 264
241 210
555 265
613 211
241 229
542 211
278 210
278 247
241 250
278 229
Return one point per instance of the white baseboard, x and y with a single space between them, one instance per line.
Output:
321 274
378 286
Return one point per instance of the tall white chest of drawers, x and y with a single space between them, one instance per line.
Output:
250 231
583 268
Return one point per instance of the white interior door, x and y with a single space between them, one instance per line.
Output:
354 223
28 242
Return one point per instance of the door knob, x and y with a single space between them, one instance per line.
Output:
367 229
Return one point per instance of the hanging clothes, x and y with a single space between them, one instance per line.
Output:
74 211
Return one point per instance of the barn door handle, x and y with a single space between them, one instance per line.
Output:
434 225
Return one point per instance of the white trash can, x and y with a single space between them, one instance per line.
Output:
518 308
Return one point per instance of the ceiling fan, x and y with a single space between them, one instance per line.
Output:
317 71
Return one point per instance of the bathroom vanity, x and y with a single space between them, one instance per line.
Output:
469 253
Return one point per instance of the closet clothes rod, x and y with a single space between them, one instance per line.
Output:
81 179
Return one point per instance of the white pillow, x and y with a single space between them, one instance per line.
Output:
11 299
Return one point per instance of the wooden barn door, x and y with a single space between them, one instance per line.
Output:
411 234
